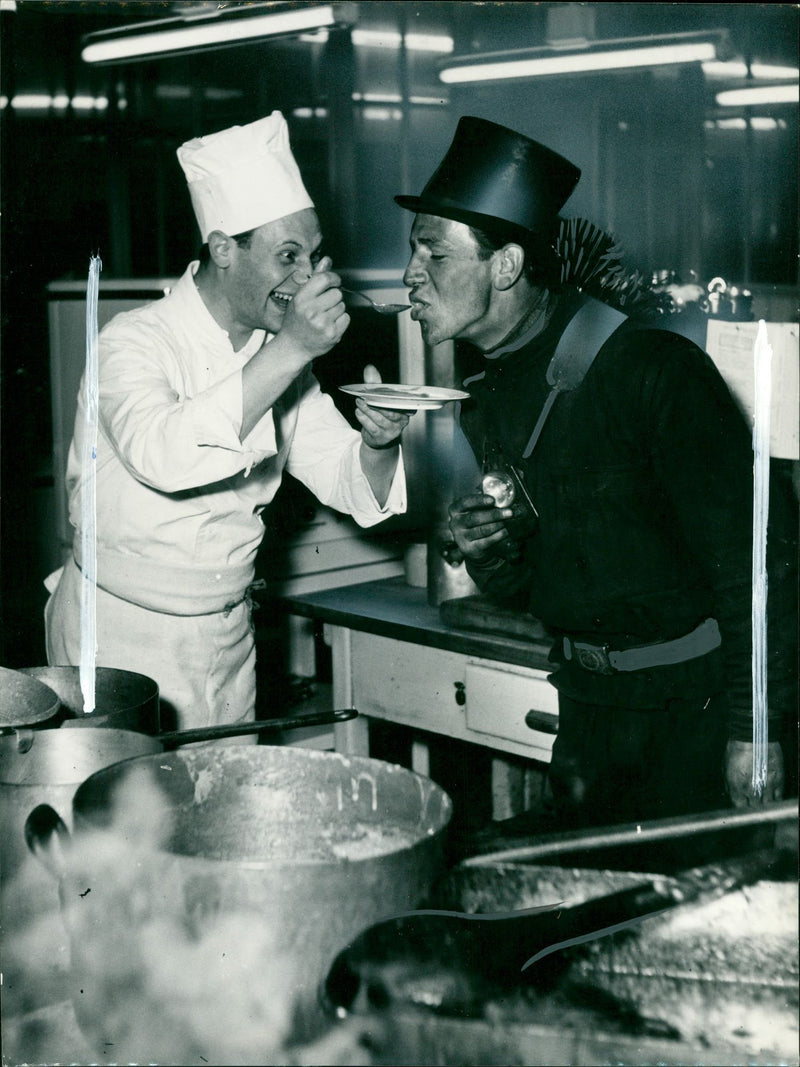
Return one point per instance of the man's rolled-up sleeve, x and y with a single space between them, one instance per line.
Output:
217 418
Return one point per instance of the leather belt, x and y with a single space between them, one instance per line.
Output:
600 659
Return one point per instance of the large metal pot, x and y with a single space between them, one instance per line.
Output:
46 766
47 769
273 857
124 700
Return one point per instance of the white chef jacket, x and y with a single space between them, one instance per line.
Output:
179 496
179 499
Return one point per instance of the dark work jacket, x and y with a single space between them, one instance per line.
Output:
643 481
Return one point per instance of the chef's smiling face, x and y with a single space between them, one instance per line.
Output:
450 284
265 276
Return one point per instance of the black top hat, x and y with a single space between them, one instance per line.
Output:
492 174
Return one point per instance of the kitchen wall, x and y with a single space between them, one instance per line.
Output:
687 185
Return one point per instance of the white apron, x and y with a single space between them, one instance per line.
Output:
204 665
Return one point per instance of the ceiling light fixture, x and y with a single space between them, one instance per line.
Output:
190 33
738 69
310 112
759 94
396 98
59 102
381 114
414 42
603 56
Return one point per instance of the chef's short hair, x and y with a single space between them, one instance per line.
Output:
242 239
542 265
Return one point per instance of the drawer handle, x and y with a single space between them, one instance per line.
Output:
461 695
544 721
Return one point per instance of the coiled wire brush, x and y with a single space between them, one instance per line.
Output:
593 263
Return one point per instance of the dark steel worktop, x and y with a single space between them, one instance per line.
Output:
392 608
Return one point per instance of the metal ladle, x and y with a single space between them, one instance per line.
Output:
453 963
382 309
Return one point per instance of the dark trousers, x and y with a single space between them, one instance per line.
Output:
616 764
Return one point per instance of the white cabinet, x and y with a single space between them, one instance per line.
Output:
395 660
501 699
460 696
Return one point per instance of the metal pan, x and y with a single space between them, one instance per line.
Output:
124 700
25 700
47 766
304 847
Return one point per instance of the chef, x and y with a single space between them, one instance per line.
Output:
629 532
205 397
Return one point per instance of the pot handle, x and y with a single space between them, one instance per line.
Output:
46 836
239 729
543 848
24 739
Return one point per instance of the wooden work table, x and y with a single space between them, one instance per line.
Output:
394 659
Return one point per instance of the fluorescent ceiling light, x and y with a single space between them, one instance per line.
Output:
44 102
759 94
381 114
415 42
8 5
579 62
31 101
185 92
738 69
90 103
396 98
762 122
212 32
731 124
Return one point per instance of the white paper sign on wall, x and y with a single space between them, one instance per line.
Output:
731 346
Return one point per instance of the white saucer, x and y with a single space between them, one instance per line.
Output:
404 397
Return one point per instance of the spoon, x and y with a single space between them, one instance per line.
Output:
382 309
452 962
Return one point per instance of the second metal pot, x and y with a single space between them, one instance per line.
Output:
124 700
289 852
47 769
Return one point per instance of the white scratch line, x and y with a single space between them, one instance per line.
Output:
762 358
89 496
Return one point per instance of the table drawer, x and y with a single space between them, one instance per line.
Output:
498 701
407 683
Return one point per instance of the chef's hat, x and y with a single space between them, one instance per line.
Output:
243 177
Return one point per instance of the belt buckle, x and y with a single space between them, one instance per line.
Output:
593 658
